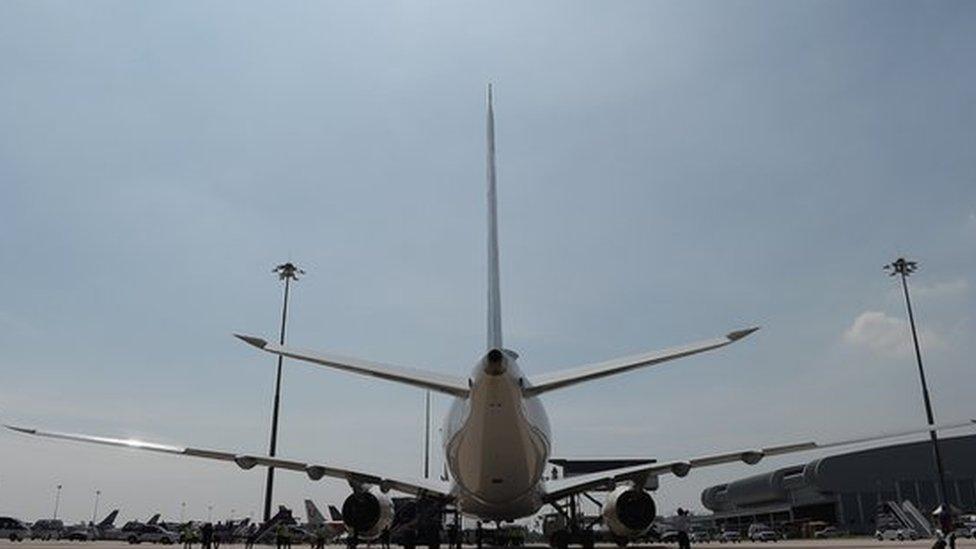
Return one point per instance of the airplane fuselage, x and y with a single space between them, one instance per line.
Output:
497 442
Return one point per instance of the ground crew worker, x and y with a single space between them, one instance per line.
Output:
282 537
452 536
187 535
682 523
206 536
319 538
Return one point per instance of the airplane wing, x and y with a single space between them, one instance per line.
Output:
412 486
557 380
561 488
452 385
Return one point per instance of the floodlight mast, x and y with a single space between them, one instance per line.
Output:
904 268
57 501
287 272
95 506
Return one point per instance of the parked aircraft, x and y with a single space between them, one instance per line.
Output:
133 527
496 435
86 531
318 523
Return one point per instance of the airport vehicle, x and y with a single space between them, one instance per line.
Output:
761 532
561 529
47 529
497 535
153 533
496 436
700 536
730 536
889 533
417 521
829 532
14 529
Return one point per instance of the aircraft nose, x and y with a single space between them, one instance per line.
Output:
495 363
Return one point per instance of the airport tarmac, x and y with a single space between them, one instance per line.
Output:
846 543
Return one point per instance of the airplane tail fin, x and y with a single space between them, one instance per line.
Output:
494 292
109 520
153 519
335 513
315 518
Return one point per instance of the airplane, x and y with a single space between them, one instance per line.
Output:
496 436
316 522
87 531
130 527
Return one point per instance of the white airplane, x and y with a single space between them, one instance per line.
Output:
496 436
317 523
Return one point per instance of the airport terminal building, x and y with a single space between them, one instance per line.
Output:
847 490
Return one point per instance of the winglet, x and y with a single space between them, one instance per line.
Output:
251 340
739 334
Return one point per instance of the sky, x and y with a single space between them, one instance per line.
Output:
667 171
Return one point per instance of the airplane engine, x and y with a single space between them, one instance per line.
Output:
629 511
368 513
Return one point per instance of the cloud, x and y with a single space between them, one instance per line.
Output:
887 335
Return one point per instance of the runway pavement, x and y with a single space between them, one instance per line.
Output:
847 543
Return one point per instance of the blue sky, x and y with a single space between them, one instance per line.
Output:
667 172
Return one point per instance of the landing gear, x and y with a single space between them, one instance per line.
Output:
568 526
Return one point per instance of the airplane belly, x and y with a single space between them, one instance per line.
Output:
498 455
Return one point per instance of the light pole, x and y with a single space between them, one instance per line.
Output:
287 272
57 502
427 435
182 511
210 513
902 267
95 507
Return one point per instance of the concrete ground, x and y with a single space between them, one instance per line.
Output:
847 543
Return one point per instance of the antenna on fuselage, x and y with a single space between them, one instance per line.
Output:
494 292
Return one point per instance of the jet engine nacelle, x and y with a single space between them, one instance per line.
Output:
367 514
629 511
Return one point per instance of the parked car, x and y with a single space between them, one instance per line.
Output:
13 529
47 529
829 532
761 532
153 533
730 536
700 536
891 533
